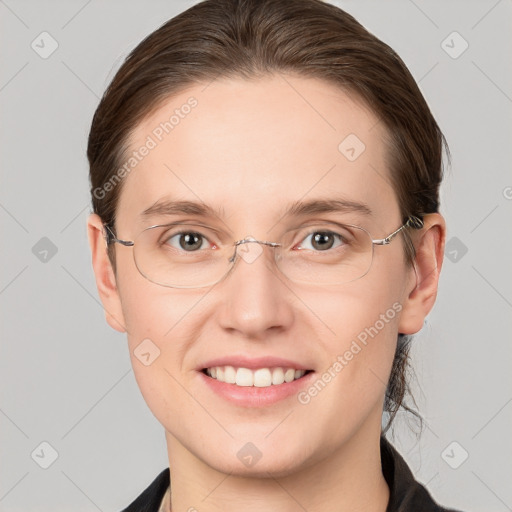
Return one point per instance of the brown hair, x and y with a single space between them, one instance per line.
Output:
255 38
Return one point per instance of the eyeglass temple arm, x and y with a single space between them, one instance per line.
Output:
412 221
110 237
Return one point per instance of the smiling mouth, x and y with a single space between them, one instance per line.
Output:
260 377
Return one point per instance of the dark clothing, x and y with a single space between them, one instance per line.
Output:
405 493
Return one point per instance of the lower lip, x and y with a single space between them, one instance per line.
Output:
252 396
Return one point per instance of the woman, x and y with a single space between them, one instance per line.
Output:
266 230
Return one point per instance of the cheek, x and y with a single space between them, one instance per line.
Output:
362 309
160 331
152 311
358 335
352 383
162 324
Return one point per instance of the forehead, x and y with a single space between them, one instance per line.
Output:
247 148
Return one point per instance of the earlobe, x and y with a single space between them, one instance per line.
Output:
104 274
422 290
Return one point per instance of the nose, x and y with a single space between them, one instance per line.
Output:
256 297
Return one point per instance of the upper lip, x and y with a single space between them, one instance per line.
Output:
253 362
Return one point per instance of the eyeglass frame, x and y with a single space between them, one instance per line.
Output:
412 221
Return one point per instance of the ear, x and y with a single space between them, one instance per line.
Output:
104 274
422 290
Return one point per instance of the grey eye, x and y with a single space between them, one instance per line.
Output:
189 241
321 241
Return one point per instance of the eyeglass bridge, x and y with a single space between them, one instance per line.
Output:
250 239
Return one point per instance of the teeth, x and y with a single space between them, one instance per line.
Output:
289 375
244 377
277 376
229 375
261 378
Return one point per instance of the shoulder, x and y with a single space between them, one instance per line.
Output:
406 494
151 497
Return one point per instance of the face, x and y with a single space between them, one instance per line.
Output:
249 149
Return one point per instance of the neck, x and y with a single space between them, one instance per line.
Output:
348 479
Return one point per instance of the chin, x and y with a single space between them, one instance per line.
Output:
260 459
266 467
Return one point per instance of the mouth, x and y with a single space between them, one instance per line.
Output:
258 377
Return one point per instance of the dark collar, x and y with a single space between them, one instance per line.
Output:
405 493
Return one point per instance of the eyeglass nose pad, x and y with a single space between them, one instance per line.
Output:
251 249
235 250
248 252
233 257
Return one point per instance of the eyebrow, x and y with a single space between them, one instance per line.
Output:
169 207
295 209
301 208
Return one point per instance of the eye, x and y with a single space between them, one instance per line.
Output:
189 241
322 240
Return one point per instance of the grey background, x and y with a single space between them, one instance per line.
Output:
65 376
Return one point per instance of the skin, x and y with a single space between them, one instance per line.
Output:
252 147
